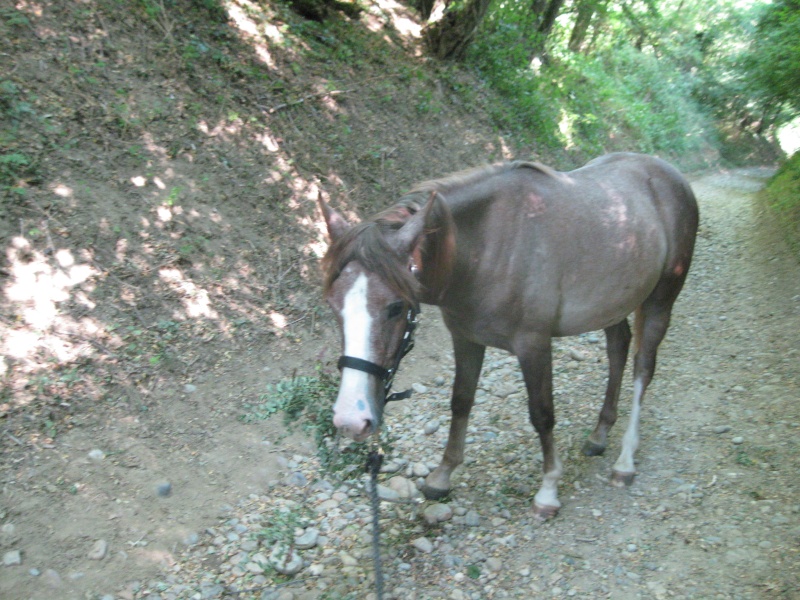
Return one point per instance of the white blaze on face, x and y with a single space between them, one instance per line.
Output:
352 413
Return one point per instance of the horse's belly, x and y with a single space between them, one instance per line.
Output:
602 306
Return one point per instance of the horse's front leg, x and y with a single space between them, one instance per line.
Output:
469 359
536 360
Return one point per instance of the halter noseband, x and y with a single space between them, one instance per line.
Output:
387 375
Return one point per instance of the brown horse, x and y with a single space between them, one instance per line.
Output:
513 254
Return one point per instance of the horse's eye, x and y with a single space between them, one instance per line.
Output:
394 310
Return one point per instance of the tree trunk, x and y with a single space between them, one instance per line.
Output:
546 15
587 9
450 37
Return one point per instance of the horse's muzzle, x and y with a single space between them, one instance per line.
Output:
354 425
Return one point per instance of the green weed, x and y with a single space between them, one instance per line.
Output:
307 402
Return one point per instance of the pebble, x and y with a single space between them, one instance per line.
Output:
96 455
431 427
494 564
189 388
404 487
472 519
738 440
285 560
722 429
308 539
163 489
419 388
577 355
423 544
437 513
99 550
387 494
420 470
12 558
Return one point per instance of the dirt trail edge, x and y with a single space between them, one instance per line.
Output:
714 511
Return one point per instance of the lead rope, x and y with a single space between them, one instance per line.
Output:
374 461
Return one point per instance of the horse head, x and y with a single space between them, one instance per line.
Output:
371 285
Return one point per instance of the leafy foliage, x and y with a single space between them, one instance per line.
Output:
307 402
782 194
772 64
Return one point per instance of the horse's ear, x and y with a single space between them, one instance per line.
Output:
410 235
335 222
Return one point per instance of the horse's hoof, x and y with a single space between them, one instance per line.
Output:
591 448
620 479
544 512
432 493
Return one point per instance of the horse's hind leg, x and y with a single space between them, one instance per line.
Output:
652 321
469 359
618 340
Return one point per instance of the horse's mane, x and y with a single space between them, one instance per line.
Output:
476 175
366 242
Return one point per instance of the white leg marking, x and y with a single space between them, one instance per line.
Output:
352 409
630 441
548 493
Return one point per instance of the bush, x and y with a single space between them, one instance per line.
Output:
782 195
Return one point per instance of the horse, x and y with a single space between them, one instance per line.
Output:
513 254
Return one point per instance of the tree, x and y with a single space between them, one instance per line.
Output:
586 12
772 65
545 13
450 36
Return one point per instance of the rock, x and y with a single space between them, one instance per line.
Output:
12 558
285 560
297 479
404 487
163 489
437 513
328 505
99 550
494 564
257 563
387 494
96 455
189 388
439 380
431 427
308 539
52 578
348 560
577 355
419 388
423 544
191 539
472 519
420 470
738 440
391 467
722 429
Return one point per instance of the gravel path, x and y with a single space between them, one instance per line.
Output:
714 511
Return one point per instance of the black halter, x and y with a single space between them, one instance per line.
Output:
387 375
